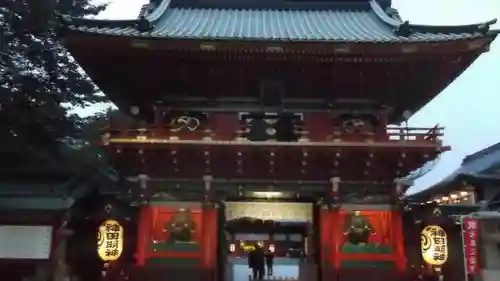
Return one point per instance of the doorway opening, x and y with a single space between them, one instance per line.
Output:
282 231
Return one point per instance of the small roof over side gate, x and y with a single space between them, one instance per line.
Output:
480 166
328 23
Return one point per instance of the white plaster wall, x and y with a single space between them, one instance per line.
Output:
490 250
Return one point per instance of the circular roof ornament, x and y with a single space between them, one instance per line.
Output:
134 110
271 131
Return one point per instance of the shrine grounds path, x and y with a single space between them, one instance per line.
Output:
283 267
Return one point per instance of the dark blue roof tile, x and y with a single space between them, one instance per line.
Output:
475 165
280 25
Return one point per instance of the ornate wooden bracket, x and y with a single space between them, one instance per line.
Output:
207 181
398 193
334 200
142 191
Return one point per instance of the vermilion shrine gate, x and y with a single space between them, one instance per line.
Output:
226 99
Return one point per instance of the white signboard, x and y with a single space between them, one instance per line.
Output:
283 211
25 242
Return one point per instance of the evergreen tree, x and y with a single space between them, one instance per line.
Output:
39 82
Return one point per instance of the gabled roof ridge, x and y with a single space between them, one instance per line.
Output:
261 9
144 10
268 4
157 12
481 153
383 16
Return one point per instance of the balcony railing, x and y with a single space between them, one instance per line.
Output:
391 134
414 133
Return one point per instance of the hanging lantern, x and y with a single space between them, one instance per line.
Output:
434 245
110 240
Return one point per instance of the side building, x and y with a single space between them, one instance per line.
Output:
476 180
48 221
470 193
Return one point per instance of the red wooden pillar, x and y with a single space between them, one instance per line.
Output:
397 224
397 227
143 234
336 232
326 241
209 241
336 224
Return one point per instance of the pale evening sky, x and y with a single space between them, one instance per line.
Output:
469 108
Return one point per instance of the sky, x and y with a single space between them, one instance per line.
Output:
469 108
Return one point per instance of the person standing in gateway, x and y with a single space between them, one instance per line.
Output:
269 262
256 261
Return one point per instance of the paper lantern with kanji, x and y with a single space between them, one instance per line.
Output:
110 240
434 245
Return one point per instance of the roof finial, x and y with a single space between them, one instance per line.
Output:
144 25
485 27
404 29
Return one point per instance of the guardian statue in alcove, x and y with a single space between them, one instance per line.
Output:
358 229
181 227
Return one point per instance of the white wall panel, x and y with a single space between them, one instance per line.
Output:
282 211
25 242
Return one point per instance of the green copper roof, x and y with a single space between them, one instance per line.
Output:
368 23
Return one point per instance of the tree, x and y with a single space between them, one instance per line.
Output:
39 81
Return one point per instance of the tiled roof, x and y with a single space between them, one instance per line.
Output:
371 24
475 165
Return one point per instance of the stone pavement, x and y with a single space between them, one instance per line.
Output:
284 269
